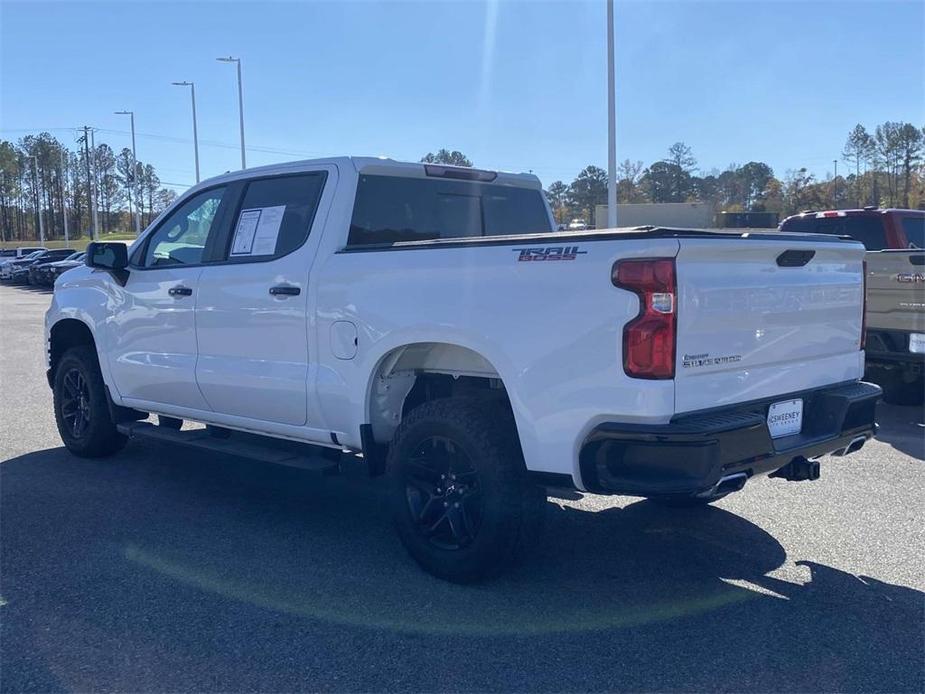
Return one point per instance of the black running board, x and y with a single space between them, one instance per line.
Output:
241 445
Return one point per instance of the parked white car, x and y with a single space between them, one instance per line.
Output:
17 253
7 264
427 322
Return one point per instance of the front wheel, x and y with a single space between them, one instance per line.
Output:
461 498
82 407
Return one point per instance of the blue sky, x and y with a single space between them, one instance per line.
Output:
514 85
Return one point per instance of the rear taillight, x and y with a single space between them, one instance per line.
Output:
864 306
649 339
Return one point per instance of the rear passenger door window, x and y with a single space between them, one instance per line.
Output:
274 217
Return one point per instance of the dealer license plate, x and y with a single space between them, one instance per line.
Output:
785 418
917 343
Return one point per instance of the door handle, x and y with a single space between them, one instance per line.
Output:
180 291
285 290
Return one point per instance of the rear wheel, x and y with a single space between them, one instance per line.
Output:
902 388
82 406
462 501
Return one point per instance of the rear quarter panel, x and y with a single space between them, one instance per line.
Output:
551 330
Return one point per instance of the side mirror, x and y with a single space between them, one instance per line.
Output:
111 257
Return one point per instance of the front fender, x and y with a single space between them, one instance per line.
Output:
80 295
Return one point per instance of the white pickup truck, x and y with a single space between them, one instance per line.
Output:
427 322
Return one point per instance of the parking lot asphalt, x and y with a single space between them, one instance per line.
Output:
165 570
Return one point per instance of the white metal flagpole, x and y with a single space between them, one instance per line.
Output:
611 124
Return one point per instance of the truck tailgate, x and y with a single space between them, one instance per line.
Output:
757 319
896 290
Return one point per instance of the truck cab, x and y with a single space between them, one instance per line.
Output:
878 229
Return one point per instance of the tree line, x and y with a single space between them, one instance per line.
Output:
40 175
884 168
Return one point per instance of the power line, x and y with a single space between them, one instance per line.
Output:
178 140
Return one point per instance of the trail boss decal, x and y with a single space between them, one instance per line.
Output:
693 361
548 253
910 277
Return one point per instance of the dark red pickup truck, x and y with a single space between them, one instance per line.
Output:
876 228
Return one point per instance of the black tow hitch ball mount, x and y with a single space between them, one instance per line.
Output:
798 470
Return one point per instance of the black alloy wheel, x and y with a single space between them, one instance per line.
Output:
75 403
443 493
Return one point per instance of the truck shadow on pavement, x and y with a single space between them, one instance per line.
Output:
903 428
164 569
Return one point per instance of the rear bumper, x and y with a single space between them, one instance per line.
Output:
693 452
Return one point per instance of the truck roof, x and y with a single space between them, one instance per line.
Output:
864 212
381 166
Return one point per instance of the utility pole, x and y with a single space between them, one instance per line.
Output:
3 207
835 185
21 203
96 187
86 141
134 181
192 88
39 194
67 239
611 124
237 61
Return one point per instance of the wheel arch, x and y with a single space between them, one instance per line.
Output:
63 335
416 372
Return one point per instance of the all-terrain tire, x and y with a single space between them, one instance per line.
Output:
899 390
508 515
79 387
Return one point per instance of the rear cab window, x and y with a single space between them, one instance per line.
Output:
867 229
395 209
914 229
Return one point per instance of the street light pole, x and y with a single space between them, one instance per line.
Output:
134 185
192 88
611 124
237 61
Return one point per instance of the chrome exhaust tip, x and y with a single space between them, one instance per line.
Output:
857 443
726 485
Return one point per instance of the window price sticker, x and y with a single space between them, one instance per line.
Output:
257 231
